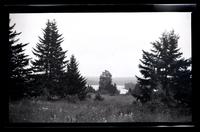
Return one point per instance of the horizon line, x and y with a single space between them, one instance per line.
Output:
115 76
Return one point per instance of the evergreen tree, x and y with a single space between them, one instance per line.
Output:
161 68
76 84
146 85
17 65
182 84
50 59
90 89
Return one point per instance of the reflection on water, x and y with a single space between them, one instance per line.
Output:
119 87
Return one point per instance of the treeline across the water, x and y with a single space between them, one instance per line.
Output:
166 74
123 84
118 80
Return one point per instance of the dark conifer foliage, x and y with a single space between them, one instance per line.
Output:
164 70
50 59
182 84
76 84
17 65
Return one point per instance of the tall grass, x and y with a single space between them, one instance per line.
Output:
112 109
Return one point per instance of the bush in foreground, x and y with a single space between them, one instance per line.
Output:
98 97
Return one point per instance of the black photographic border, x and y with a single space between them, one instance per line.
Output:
103 7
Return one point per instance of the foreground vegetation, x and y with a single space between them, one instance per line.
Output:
120 108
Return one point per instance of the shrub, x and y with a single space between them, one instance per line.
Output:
90 89
155 106
141 94
98 97
72 98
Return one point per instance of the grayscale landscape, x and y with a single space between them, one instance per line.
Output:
100 67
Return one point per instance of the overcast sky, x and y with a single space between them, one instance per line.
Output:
112 41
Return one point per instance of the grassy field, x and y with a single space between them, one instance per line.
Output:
112 109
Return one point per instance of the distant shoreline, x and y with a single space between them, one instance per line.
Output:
121 88
118 80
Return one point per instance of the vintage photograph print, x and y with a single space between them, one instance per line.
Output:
94 67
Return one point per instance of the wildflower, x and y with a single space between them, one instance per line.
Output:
125 114
44 108
104 119
54 116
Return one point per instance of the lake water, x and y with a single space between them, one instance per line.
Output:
119 87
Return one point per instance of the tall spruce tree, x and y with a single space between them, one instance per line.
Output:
182 82
76 84
161 68
50 60
17 65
